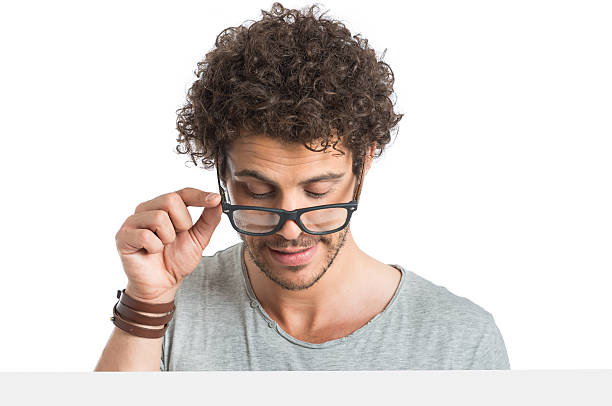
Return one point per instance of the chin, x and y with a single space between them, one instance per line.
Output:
295 277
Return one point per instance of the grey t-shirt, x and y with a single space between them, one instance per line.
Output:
220 325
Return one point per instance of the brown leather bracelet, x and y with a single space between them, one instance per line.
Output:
125 309
144 307
135 330
130 315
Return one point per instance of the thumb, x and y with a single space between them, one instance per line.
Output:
210 218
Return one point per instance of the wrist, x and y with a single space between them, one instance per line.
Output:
133 309
165 297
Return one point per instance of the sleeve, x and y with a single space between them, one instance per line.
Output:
491 350
162 367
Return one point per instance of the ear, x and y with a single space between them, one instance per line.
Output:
370 157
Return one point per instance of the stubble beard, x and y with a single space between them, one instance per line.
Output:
256 253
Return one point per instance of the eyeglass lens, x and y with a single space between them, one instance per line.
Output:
321 220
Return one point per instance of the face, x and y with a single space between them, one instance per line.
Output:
264 172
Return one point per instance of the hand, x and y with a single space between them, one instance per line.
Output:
159 245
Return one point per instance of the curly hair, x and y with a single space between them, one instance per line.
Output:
293 76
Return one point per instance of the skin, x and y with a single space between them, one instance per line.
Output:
342 287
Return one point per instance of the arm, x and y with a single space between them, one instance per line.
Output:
125 352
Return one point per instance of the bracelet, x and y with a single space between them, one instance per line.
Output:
135 330
124 312
142 306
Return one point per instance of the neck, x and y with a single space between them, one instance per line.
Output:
339 289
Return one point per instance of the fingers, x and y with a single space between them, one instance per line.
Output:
206 225
129 240
195 197
156 222
175 204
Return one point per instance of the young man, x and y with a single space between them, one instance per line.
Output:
291 111
282 86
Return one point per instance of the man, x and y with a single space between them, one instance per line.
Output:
287 84
291 111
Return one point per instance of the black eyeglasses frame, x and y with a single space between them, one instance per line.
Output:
294 215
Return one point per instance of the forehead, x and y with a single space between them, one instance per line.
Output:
265 153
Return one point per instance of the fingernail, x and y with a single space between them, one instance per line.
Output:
211 196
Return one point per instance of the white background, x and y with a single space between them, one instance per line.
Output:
497 185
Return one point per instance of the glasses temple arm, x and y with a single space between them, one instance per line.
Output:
360 180
221 189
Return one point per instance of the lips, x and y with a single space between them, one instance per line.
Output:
291 251
300 256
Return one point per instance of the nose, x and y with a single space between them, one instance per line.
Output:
290 230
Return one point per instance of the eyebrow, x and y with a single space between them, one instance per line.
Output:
263 178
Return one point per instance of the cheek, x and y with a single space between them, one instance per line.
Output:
327 240
254 242
259 246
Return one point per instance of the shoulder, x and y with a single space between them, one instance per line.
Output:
454 321
430 300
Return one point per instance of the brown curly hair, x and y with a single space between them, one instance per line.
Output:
293 76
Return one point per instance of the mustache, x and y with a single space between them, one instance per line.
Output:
282 244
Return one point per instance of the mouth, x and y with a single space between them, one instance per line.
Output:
293 257
290 251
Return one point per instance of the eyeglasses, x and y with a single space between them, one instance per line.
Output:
317 220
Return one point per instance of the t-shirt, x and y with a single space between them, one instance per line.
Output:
219 325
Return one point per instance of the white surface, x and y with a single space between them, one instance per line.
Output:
536 387
500 171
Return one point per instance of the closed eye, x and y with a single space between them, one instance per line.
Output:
259 195
266 195
317 195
